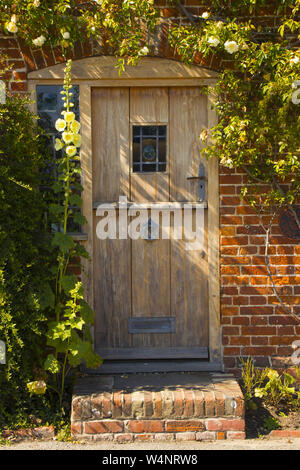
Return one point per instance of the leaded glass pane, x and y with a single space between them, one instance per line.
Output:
149 148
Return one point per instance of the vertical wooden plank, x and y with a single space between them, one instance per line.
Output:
149 187
87 183
150 259
112 263
188 116
149 105
112 286
110 143
213 247
189 296
150 287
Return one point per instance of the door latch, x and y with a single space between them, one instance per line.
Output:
201 182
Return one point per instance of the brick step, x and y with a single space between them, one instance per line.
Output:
191 406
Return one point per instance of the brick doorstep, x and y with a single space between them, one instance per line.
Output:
212 409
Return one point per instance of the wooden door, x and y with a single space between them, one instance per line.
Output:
150 293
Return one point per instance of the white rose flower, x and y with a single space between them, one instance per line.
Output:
144 51
231 46
294 60
36 3
66 35
214 42
60 125
205 15
203 136
38 42
11 27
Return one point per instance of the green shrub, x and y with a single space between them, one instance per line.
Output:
25 262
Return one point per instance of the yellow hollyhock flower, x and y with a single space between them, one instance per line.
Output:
71 150
67 137
69 116
38 387
77 140
75 127
60 125
58 144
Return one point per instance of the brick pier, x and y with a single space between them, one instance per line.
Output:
170 406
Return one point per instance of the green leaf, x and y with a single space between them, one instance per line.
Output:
75 200
47 297
68 282
86 312
79 218
52 364
56 209
63 241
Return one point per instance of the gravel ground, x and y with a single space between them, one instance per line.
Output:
248 444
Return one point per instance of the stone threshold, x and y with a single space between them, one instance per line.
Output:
158 406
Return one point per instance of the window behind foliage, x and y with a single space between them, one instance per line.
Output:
49 108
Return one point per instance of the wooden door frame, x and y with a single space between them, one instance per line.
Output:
102 72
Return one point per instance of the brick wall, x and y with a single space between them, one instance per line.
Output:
253 322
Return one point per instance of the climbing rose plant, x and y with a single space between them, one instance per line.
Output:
257 92
256 102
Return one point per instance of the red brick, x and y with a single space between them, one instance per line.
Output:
76 428
183 425
122 438
228 260
144 437
240 321
127 405
224 189
230 201
148 404
259 320
258 330
231 351
284 433
240 280
103 426
178 402
241 300
188 410
239 341
231 220
258 351
230 179
18 86
259 340
282 340
117 405
256 310
157 400
235 435
145 426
